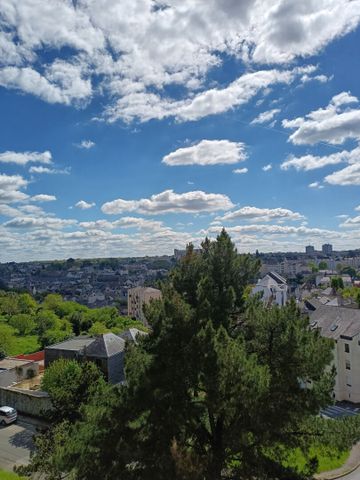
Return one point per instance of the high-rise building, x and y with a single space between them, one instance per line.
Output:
310 250
137 298
327 249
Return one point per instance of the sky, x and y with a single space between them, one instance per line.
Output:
133 127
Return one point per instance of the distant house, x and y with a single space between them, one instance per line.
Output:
132 335
273 288
137 298
342 325
106 350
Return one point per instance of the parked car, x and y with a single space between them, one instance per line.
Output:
7 415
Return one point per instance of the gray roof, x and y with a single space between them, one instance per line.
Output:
105 345
278 278
335 322
75 344
131 334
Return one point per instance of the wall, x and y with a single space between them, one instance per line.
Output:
25 401
15 375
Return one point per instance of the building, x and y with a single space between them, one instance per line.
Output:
138 297
342 325
106 350
273 288
132 335
310 250
14 370
327 249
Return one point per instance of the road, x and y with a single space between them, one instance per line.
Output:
16 444
355 475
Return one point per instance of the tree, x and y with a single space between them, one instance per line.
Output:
217 384
27 304
323 265
337 283
23 323
7 337
69 385
98 328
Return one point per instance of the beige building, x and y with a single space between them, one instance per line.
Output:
137 298
342 325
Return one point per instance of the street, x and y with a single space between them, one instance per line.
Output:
15 444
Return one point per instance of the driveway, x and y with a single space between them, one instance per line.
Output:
16 444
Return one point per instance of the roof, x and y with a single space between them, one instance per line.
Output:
7 409
131 334
36 357
278 278
75 344
335 322
9 363
105 345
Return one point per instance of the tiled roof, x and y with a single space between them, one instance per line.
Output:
335 322
105 345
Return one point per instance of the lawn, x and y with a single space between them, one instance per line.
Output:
329 458
9 476
26 344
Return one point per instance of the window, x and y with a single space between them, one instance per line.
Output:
347 365
347 348
348 380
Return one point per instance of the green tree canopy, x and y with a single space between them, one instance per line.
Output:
23 323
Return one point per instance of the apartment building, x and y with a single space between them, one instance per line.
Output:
137 298
273 288
342 325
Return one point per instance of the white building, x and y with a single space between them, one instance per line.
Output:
342 325
137 298
274 289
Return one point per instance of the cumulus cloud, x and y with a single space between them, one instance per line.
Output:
315 185
133 49
333 124
347 176
84 205
38 222
267 167
261 214
351 222
86 144
22 158
265 117
171 202
51 171
208 152
240 170
312 162
43 198
10 186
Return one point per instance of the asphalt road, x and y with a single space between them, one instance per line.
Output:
355 475
15 444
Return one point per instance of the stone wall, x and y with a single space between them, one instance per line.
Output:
26 402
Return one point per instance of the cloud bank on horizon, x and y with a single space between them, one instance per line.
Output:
188 116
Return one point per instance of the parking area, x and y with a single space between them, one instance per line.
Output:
16 444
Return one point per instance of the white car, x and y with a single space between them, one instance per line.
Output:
7 415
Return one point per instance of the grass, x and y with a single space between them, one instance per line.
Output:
9 476
329 458
26 344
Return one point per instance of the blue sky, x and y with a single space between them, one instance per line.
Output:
134 127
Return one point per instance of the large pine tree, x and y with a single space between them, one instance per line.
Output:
215 391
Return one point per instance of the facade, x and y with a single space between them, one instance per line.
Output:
273 288
310 250
342 325
106 350
138 297
14 370
327 249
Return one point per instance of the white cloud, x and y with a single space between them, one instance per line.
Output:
38 222
10 186
261 214
315 185
85 144
265 117
43 198
22 158
347 176
84 205
334 123
240 170
51 171
351 222
171 202
208 152
312 162
132 49
267 167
